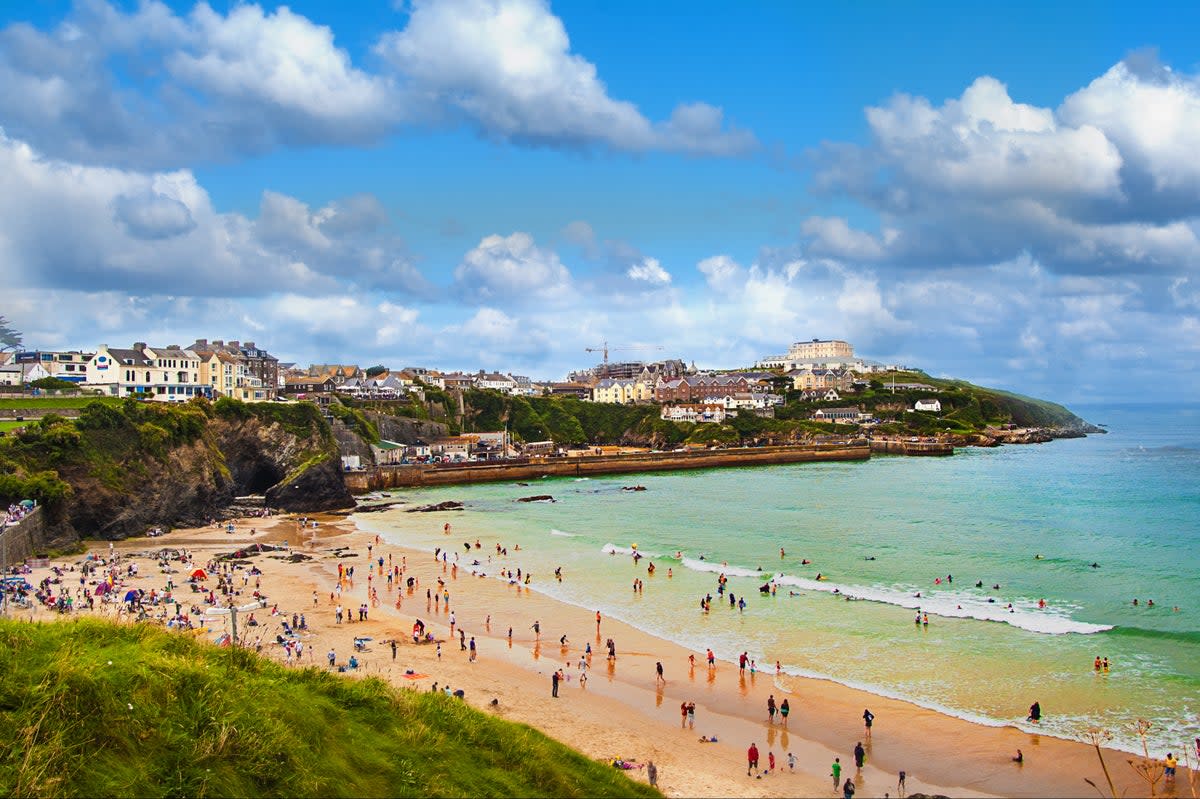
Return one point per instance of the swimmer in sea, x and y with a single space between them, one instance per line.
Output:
819 577
1095 565
805 562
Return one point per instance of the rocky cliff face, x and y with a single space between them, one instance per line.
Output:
120 489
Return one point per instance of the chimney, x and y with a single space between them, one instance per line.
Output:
139 345
218 342
233 345
249 345
201 343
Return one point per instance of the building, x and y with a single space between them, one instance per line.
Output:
305 385
228 372
811 378
495 381
696 412
65 365
165 374
928 405
622 391
838 415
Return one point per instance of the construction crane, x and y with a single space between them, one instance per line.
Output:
605 348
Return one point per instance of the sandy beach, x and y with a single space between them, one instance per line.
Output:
623 711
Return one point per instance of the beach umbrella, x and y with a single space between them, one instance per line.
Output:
27 503
200 574
103 588
131 596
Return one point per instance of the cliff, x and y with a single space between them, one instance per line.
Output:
121 469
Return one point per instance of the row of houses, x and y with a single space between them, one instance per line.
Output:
168 373
855 415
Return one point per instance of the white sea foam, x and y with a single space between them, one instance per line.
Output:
948 604
696 564
563 532
1024 613
613 549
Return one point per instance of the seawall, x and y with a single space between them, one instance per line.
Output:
893 446
20 540
383 477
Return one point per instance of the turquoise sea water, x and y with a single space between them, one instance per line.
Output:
883 531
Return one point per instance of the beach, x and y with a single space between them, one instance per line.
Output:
623 712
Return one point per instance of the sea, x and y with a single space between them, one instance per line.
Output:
1026 559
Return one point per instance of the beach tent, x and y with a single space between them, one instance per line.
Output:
200 574
26 503
130 596
102 588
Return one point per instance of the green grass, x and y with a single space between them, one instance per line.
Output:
5 426
88 708
54 402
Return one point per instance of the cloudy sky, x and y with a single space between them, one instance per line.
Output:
1004 193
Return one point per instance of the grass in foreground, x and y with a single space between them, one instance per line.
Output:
88 708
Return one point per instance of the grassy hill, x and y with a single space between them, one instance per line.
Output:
94 709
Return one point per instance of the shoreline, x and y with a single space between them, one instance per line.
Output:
623 712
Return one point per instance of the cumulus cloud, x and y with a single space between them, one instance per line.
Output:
649 271
507 66
511 268
1100 185
150 215
196 86
207 85
149 232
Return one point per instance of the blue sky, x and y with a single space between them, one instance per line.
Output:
1004 194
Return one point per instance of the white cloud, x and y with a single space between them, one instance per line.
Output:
1102 185
507 66
208 85
649 271
1153 117
148 232
720 271
281 59
511 268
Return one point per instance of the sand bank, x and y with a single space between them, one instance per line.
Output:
623 711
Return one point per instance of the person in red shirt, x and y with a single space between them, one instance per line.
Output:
751 759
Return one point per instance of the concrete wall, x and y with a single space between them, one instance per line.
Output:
19 541
428 475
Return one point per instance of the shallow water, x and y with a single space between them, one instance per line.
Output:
881 532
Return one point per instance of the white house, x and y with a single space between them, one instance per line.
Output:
165 374
931 405
696 412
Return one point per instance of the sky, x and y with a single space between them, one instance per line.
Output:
1004 193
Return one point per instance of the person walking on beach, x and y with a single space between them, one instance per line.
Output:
393 649
537 630
900 786
868 717
472 657
658 668
742 659
771 708
652 774
597 624
860 755
836 771
554 684
784 709
691 715
751 759
683 714
848 789
770 761
1035 712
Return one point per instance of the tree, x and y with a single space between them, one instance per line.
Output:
10 339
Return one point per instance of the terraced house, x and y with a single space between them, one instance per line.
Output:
164 374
